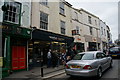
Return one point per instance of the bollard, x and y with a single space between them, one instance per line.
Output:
41 71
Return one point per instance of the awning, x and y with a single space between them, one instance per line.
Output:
49 36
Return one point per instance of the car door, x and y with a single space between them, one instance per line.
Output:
102 60
106 60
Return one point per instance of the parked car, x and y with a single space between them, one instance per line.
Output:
114 52
88 64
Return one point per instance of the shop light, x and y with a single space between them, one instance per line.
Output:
48 43
62 43
55 42
30 48
30 44
36 42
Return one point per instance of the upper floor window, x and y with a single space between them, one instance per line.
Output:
102 30
43 21
95 22
13 12
89 20
91 31
44 2
77 30
62 10
76 15
62 24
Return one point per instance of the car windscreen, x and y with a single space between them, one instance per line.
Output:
84 56
114 49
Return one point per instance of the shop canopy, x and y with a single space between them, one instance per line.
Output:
49 36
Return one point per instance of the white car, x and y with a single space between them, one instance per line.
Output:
88 64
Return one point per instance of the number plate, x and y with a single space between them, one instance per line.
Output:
74 66
114 55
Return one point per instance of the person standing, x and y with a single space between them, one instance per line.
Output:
49 57
54 58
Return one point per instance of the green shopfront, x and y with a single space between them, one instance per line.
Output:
14 48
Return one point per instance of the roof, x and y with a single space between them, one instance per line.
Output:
81 9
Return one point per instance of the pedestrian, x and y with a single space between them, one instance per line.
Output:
63 58
49 58
54 58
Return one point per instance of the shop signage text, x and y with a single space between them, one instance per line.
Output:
56 38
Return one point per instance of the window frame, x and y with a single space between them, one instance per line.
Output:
62 8
43 21
77 30
45 2
91 30
89 19
63 29
10 22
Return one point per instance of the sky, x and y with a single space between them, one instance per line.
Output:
106 10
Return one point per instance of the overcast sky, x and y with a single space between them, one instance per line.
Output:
105 10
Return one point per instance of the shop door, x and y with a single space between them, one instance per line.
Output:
18 57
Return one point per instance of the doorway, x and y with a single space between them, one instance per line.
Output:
18 57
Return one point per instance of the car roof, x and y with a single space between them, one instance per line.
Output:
90 52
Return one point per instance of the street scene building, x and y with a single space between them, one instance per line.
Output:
15 24
31 29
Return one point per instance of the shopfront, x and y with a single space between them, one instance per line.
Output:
14 48
42 41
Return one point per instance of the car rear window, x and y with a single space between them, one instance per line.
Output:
83 56
115 49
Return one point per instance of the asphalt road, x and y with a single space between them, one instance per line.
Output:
110 74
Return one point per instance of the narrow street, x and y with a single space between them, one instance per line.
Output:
110 74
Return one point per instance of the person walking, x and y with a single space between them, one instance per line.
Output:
49 58
54 59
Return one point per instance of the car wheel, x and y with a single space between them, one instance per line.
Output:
99 73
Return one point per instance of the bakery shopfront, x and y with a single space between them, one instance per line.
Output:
42 41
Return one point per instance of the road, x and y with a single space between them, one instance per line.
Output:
110 74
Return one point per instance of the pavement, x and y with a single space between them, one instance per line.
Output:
36 73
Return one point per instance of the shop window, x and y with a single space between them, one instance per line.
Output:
12 15
62 23
62 10
43 21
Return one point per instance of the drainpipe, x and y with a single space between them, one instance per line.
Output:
27 56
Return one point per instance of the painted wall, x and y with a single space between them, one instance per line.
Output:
26 8
54 17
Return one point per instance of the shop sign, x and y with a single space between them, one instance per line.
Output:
6 28
94 40
78 39
1 61
56 38
18 30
